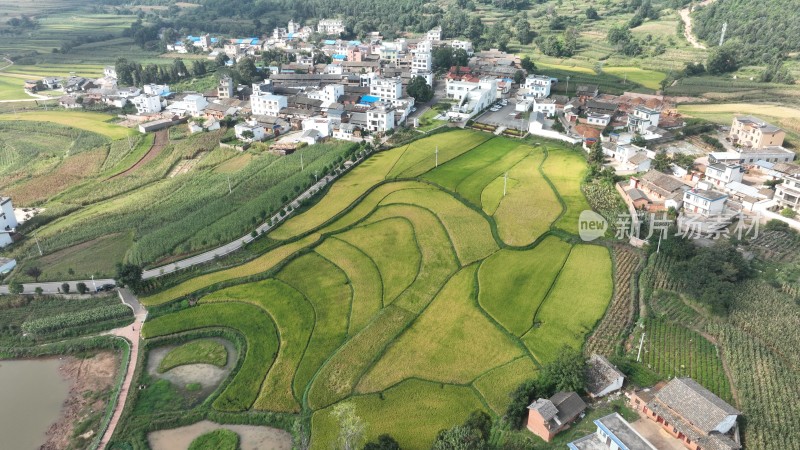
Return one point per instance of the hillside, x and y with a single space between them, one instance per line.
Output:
761 30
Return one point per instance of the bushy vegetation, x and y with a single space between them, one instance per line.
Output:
221 439
204 351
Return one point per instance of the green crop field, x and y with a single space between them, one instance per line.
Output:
403 296
205 351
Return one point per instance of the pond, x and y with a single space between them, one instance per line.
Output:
32 393
252 437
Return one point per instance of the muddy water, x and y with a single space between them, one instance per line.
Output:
31 396
208 376
251 437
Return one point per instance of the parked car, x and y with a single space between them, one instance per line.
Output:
106 287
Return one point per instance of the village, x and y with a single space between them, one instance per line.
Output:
701 176
357 91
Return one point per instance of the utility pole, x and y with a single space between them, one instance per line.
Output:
301 162
567 90
437 156
93 283
230 189
658 248
505 183
641 342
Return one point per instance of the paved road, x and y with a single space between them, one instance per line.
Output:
54 287
132 334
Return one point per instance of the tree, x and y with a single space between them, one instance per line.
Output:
788 213
247 134
15 287
459 437
567 372
522 30
661 162
419 89
597 156
38 290
722 60
65 288
479 420
385 442
591 13
521 397
129 275
33 272
82 288
527 64
351 427
221 59
519 77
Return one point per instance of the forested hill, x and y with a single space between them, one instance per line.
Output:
763 29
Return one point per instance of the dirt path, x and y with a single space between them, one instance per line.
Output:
160 141
687 25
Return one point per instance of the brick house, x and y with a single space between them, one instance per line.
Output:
691 413
548 417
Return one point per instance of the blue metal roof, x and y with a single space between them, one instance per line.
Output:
341 57
367 99
329 42
354 43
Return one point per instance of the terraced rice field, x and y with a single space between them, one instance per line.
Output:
413 291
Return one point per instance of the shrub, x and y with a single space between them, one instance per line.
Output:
58 322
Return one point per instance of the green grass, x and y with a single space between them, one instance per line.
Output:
250 321
216 440
574 305
89 121
83 260
566 169
427 121
397 269
469 232
452 330
294 317
514 283
11 88
650 79
326 288
412 412
203 351
496 384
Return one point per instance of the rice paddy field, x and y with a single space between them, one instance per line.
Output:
401 293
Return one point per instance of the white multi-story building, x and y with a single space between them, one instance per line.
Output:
421 62
110 72
538 86
226 88
155 89
195 104
598 120
386 89
328 94
787 193
424 46
704 202
722 174
434 34
472 97
330 26
8 221
546 106
380 118
463 45
147 104
267 104
642 118
322 125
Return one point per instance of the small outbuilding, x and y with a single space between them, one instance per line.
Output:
602 377
548 417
